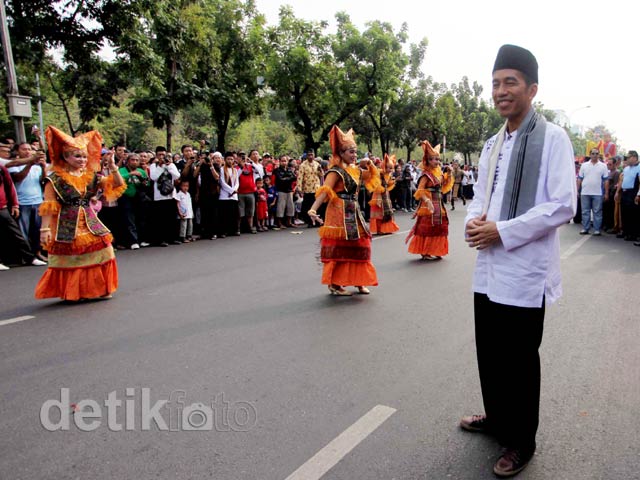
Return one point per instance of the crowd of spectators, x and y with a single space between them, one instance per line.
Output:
608 195
176 198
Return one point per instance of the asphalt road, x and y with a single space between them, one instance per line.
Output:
243 326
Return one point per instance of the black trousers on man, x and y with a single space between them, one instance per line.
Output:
630 214
507 342
132 221
164 223
307 202
15 249
209 216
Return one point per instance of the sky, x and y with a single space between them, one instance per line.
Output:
586 51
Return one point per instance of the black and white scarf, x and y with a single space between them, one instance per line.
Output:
524 167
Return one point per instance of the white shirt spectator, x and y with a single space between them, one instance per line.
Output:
184 204
229 187
593 176
258 170
155 171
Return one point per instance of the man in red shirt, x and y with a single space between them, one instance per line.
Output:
246 191
10 233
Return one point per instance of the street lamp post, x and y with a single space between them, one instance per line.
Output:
19 106
576 110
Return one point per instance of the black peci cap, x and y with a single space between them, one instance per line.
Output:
517 58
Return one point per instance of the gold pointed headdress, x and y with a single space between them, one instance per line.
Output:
429 150
59 143
340 141
391 159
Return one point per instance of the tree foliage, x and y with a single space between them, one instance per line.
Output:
194 68
228 73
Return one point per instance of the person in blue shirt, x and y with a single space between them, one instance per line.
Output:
28 180
627 194
272 201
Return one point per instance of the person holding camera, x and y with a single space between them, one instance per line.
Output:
164 212
246 192
285 178
130 203
15 247
208 179
229 184
28 180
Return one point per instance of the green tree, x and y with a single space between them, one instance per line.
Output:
478 119
320 80
78 29
414 114
163 50
399 69
229 70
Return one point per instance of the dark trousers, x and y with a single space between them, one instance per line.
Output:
229 215
132 220
507 342
110 216
630 214
577 218
30 223
307 201
165 222
208 216
608 209
15 249
364 197
404 195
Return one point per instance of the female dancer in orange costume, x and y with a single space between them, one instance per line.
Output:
381 207
82 264
345 245
429 235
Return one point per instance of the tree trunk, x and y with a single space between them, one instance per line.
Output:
222 123
169 134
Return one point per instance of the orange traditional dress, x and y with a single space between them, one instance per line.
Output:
345 240
381 216
82 262
430 234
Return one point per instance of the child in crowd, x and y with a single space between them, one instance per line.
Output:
272 200
261 206
185 212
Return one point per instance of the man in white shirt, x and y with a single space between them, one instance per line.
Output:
164 218
590 179
526 189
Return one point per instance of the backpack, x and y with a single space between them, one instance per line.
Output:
165 183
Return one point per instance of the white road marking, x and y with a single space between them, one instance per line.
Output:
380 237
338 448
16 320
572 249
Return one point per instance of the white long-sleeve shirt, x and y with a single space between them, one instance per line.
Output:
525 264
155 171
228 190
